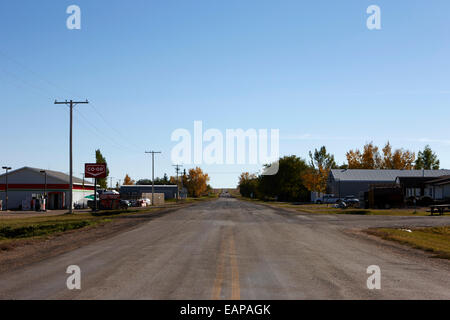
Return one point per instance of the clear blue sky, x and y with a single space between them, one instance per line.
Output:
309 68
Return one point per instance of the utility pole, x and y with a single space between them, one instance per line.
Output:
71 104
6 168
153 174
111 182
177 169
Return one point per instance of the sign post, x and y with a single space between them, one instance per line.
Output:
96 171
95 195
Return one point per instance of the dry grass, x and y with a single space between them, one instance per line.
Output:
435 240
328 209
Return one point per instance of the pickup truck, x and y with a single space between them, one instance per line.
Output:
327 198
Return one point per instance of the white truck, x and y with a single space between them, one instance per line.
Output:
325 198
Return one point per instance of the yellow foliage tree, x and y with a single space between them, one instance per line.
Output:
316 179
196 182
127 181
321 162
370 158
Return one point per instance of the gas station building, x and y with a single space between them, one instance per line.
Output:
26 184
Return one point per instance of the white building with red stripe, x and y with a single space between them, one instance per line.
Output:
27 183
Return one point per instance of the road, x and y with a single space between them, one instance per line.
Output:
231 249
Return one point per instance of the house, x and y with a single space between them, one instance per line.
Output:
345 182
26 184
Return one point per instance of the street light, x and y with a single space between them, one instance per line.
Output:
6 198
45 189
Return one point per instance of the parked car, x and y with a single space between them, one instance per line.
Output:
133 203
124 204
351 201
327 198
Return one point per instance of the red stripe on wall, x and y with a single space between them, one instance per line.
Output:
23 186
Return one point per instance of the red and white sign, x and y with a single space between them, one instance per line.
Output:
95 170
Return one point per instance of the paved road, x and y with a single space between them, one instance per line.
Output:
230 249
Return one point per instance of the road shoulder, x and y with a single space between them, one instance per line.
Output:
31 250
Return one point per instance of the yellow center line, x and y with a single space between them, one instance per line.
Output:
235 286
227 248
219 270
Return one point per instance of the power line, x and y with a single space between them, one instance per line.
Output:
104 136
36 74
41 90
120 134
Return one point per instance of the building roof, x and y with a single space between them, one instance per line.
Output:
60 176
440 181
383 175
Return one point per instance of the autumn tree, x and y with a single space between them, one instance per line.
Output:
127 181
400 159
370 158
427 160
321 163
196 182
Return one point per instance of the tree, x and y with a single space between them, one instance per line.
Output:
127 181
248 185
144 182
100 159
196 182
322 159
368 159
315 180
288 183
427 160
400 159
158 181
321 163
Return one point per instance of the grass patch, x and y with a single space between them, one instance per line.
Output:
39 226
435 240
34 230
328 209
